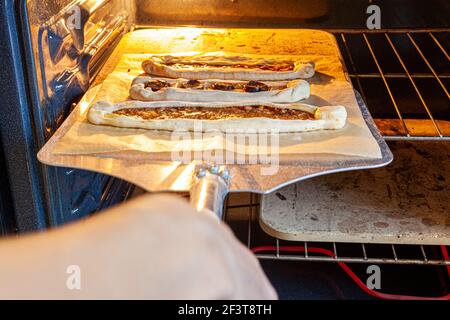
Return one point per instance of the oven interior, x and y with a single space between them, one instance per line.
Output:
402 72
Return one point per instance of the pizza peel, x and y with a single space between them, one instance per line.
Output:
209 183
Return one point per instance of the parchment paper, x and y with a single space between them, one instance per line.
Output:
328 87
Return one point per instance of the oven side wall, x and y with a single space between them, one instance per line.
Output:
47 68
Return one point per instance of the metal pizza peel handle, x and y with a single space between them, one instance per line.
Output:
209 189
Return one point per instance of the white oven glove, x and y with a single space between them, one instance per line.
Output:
153 247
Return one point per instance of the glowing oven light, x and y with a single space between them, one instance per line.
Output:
84 106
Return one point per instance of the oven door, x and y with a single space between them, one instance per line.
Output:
51 52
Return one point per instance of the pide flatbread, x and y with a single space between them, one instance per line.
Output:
225 117
226 66
148 88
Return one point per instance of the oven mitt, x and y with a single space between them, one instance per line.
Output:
153 247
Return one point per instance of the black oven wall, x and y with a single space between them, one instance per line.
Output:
48 65
321 14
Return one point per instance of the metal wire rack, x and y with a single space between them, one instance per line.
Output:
242 215
403 75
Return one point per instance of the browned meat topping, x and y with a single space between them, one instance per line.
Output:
276 67
224 86
156 85
192 84
211 113
256 86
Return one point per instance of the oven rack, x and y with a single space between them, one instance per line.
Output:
242 216
365 53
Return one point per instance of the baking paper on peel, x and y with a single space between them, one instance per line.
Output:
328 87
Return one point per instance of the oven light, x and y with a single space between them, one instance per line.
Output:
84 106
93 5
185 33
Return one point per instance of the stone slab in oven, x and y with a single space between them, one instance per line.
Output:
407 202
